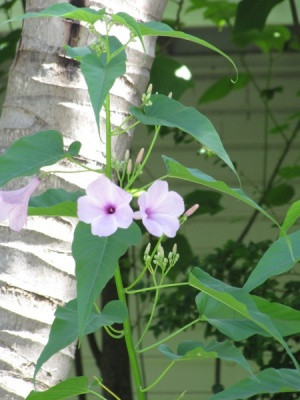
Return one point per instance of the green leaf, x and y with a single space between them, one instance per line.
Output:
100 74
154 28
27 155
280 195
77 52
276 261
252 14
96 263
223 87
164 79
273 37
267 381
189 350
290 172
65 10
65 330
218 11
238 327
239 300
63 390
168 112
292 215
176 170
55 202
124 19
208 200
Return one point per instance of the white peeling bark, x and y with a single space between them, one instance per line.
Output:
47 91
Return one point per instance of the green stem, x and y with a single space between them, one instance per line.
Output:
168 285
152 346
136 373
153 308
157 129
160 377
108 138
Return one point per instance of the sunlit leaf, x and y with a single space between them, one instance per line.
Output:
100 74
27 155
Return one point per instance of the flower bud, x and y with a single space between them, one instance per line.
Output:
149 89
148 248
126 156
129 166
191 210
140 156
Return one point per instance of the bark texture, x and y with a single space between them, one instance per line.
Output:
47 91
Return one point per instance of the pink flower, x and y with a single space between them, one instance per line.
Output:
14 204
160 209
105 207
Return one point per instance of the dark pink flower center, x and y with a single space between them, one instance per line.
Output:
110 209
148 212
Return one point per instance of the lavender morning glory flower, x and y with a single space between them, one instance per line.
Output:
160 209
14 204
106 207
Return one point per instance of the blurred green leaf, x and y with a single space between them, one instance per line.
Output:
69 388
216 11
164 80
222 87
290 172
252 14
209 201
280 195
273 37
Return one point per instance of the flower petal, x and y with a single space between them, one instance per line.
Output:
88 209
104 225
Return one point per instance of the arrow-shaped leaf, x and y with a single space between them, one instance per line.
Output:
267 381
239 300
188 350
168 112
27 155
65 330
96 263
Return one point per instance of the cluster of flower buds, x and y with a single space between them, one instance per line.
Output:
146 97
166 263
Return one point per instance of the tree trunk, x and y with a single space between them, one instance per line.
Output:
46 91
